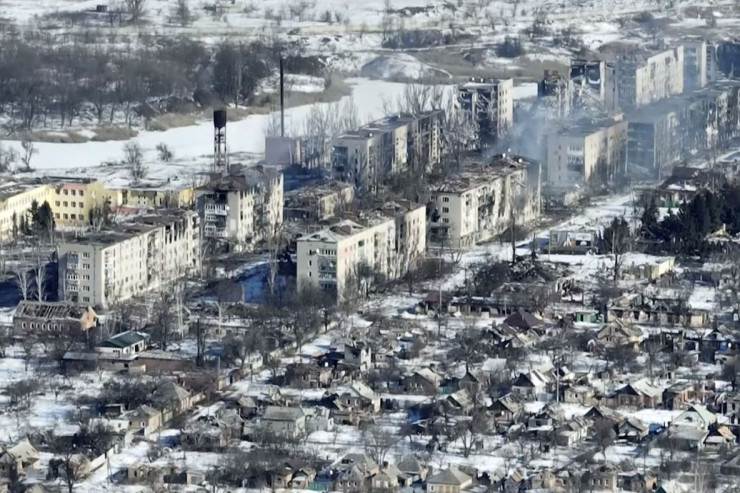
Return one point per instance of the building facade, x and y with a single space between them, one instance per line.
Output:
15 201
318 203
243 208
366 157
101 268
76 200
642 80
587 151
384 242
695 64
488 105
482 200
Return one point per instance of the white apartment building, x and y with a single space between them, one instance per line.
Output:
367 156
146 253
15 201
642 80
477 203
319 202
243 208
386 241
585 151
488 104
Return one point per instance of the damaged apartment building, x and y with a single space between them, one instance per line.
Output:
488 106
241 208
145 253
366 156
485 198
659 135
586 151
384 242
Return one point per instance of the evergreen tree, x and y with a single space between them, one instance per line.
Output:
649 219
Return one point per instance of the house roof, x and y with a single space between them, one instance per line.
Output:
705 415
523 320
277 413
462 398
172 392
359 389
642 387
410 464
428 375
24 451
450 476
125 339
51 310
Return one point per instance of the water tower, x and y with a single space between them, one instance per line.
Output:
220 158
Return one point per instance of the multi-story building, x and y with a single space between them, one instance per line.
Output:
555 95
695 64
319 202
100 268
586 151
593 82
366 157
344 257
483 199
242 208
16 199
488 105
644 79
165 195
76 200
655 141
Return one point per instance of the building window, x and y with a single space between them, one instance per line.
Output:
82 193
74 192
73 216
81 205
445 199
65 216
56 203
86 288
86 299
85 266
85 254
65 203
445 220
445 209
66 192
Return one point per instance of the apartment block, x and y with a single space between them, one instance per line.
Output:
480 201
695 64
555 95
165 195
593 83
75 200
654 139
318 202
15 201
585 151
242 208
644 79
100 268
383 242
366 157
487 104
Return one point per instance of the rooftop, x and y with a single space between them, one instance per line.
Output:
49 310
478 171
124 339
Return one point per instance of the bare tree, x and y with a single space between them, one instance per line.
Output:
164 152
72 469
23 279
163 318
29 149
133 156
136 9
28 345
604 434
8 158
378 441
182 14
471 431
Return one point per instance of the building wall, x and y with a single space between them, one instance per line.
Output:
73 202
151 199
659 77
98 274
17 205
695 64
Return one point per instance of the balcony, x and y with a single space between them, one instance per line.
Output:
215 233
216 209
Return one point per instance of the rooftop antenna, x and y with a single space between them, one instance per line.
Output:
282 99
220 158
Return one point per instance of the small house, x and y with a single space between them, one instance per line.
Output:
450 480
424 382
289 422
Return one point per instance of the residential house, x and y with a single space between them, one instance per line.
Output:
144 418
671 486
424 381
573 431
603 478
638 482
390 478
523 320
303 375
352 403
639 394
696 416
353 472
677 395
632 430
37 317
413 468
125 343
618 333
598 413
579 394
507 409
550 416
19 459
289 422
357 354
719 438
459 402
176 399
531 385
450 480
473 382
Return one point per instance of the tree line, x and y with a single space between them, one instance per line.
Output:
48 81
